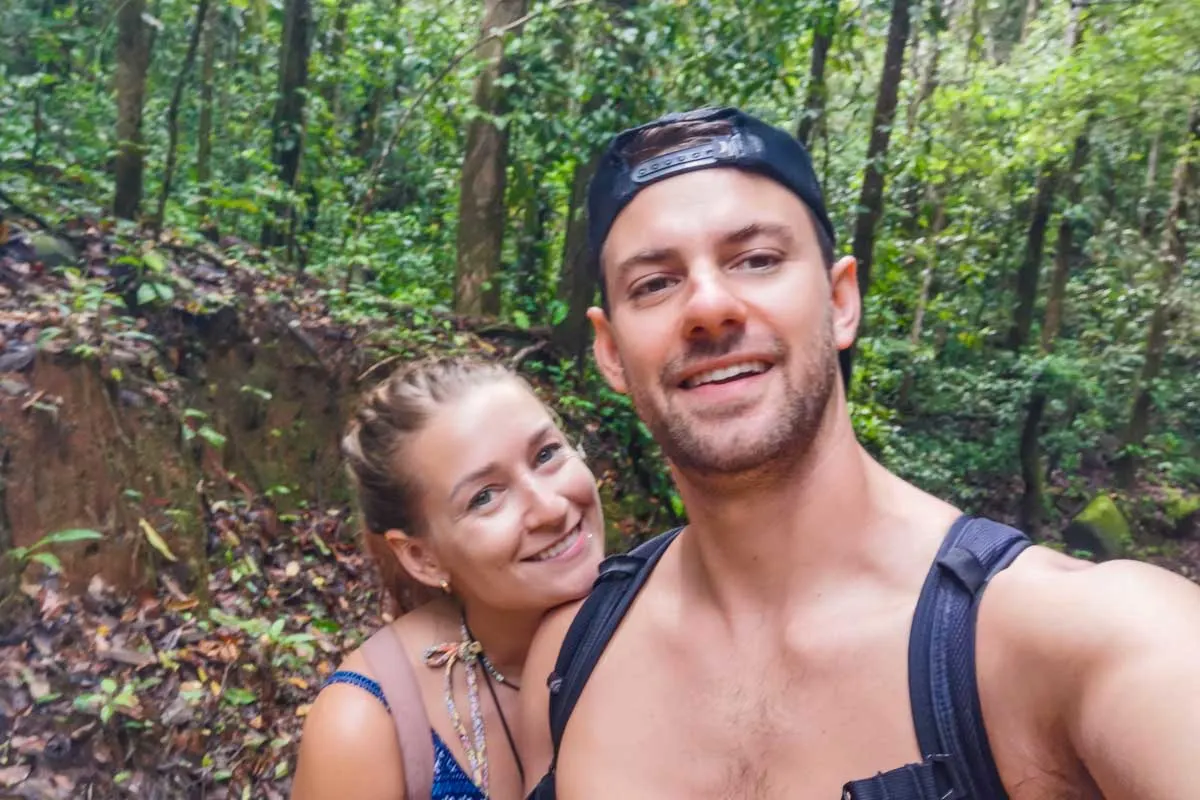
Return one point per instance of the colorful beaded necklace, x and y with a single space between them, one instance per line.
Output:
469 652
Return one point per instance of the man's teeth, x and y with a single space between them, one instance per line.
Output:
557 549
725 373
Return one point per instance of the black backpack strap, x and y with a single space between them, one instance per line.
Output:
621 578
943 690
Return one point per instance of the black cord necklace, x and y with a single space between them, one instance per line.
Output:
490 672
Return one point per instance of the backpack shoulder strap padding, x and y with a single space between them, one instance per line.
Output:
388 661
621 578
942 684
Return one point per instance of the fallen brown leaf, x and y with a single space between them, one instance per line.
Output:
11 776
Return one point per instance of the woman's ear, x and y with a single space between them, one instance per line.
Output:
417 558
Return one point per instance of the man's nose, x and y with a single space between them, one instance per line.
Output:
712 308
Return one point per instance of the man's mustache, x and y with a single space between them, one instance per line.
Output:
702 350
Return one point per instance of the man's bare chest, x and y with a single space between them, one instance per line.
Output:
665 719
725 721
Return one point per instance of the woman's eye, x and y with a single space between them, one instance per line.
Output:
481 499
547 453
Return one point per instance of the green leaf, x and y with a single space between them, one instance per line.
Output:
240 697
154 260
49 560
108 685
210 435
521 319
164 292
156 541
146 294
71 535
326 625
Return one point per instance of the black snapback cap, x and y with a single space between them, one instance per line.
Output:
750 144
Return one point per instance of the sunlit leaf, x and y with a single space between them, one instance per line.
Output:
156 541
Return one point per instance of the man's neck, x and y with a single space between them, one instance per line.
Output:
781 541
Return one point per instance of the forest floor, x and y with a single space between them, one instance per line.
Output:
167 692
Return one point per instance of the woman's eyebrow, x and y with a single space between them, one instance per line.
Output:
471 477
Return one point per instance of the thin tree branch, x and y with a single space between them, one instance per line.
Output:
495 33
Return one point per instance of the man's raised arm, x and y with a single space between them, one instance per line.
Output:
1137 724
1117 645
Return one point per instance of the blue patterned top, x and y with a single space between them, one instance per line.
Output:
450 780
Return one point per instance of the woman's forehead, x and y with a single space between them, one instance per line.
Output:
488 423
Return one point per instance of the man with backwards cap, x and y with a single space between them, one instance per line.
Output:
820 626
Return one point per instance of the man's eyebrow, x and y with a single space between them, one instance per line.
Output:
756 229
541 433
647 257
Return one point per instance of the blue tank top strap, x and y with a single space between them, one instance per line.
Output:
361 681
450 780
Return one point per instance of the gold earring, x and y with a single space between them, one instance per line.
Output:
445 584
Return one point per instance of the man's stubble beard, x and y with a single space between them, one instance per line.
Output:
779 448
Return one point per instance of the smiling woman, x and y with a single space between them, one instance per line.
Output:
482 517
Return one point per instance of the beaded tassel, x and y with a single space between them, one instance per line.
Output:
468 652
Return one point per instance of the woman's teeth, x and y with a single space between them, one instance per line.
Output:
560 547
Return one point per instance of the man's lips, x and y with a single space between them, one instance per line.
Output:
724 370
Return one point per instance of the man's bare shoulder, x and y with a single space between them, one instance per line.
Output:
1095 665
534 728
552 630
1052 604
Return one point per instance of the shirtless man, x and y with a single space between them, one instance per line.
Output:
767 654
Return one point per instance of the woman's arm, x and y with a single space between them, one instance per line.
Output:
348 749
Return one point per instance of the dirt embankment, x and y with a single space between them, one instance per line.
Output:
133 424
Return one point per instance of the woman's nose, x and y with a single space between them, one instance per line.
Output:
547 508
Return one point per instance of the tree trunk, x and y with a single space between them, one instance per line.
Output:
914 336
577 278
531 246
814 100
1043 204
870 202
287 125
133 62
1031 11
929 78
336 46
173 112
577 283
1146 211
1027 276
481 195
1030 513
205 125
927 82
1069 246
1174 253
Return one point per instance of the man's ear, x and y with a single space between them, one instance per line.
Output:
604 347
417 558
847 303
